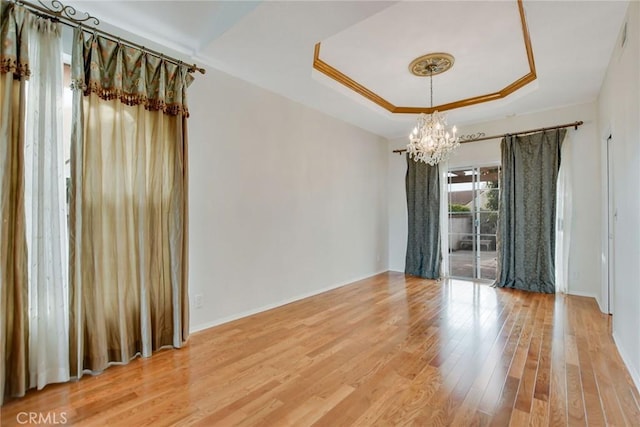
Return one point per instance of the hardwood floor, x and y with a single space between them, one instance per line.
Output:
389 350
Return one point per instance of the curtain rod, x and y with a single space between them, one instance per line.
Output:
66 15
480 136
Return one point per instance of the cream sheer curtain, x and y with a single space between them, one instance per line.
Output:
14 70
127 293
34 313
564 214
46 210
444 217
128 209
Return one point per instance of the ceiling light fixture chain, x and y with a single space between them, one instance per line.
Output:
430 141
431 84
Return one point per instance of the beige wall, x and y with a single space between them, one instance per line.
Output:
619 115
285 202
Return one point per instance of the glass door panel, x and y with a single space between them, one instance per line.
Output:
473 217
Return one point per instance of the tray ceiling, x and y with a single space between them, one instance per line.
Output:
271 44
487 60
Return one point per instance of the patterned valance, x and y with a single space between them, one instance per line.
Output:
113 70
14 56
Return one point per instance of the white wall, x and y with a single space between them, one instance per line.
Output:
396 195
584 257
284 201
619 114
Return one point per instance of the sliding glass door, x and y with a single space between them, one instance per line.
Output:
473 218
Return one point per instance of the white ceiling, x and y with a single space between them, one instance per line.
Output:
486 61
271 44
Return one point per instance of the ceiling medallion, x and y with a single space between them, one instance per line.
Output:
431 64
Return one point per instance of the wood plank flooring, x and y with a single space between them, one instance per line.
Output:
386 351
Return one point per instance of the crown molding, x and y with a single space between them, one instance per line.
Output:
340 77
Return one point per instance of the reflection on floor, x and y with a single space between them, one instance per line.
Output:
462 264
385 351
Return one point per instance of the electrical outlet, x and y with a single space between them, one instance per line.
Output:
198 301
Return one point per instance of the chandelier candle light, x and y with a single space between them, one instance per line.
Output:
431 142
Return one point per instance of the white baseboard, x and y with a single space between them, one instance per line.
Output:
627 361
600 306
582 294
251 312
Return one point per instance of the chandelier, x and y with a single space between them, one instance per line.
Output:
430 141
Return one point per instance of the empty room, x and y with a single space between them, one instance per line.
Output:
329 213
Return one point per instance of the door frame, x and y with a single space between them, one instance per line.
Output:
609 222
